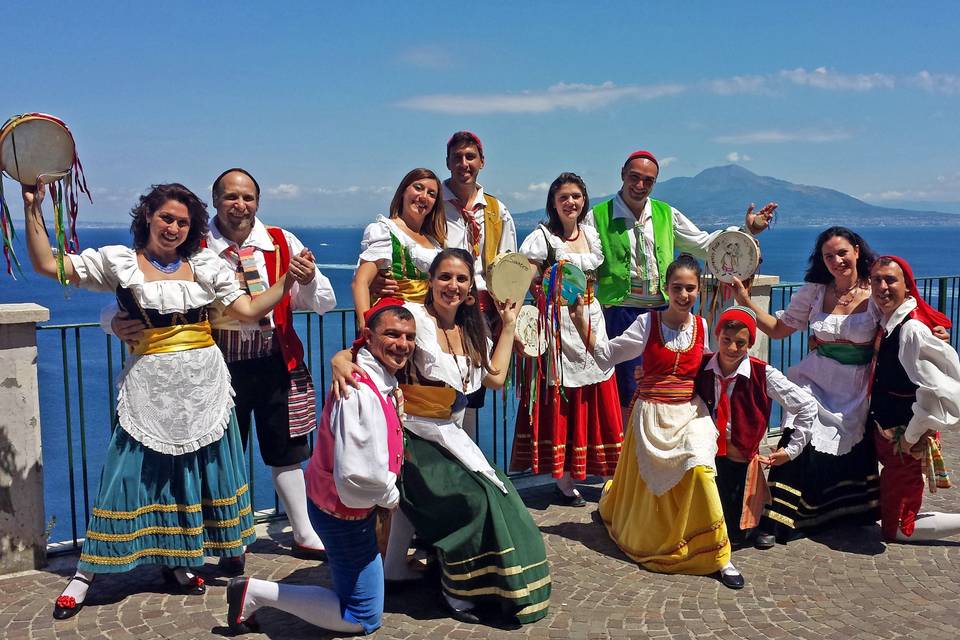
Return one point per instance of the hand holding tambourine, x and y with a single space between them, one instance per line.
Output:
759 221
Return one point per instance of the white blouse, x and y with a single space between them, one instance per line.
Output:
840 389
178 402
577 367
377 245
631 343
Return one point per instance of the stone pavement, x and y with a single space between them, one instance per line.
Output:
844 585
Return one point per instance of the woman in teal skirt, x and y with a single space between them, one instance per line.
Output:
174 486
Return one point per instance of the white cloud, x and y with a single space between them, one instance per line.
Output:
578 96
351 189
936 82
538 186
738 84
777 136
666 162
734 156
284 191
824 78
426 57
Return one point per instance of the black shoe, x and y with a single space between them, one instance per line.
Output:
764 541
236 593
65 607
234 566
308 553
731 580
576 500
193 587
459 615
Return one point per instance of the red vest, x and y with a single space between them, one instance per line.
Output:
321 487
749 404
284 333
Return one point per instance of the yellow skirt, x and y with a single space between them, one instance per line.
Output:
682 531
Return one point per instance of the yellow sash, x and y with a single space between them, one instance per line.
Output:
178 337
412 290
428 402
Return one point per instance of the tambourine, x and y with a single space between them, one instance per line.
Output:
564 281
529 332
733 254
39 148
509 277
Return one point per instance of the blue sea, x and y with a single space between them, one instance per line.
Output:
931 251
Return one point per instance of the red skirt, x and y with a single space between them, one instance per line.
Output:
579 431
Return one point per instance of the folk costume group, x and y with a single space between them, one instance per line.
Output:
627 389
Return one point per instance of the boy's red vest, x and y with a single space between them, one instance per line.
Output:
749 404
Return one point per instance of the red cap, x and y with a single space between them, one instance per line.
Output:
642 154
466 134
740 314
380 305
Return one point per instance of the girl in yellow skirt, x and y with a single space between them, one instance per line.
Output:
662 507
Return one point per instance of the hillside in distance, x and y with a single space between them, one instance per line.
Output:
720 195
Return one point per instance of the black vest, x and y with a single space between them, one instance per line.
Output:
892 395
153 318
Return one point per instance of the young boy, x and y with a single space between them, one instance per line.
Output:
739 391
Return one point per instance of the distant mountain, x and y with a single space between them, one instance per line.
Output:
720 195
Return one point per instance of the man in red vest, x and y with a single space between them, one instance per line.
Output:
266 359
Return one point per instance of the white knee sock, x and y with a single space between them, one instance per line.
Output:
317 605
470 422
292 490
77 589
729 570
395 565
933 526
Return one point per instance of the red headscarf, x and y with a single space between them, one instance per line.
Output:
381 304
924 313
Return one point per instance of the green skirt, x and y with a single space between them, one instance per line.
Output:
155 508
490 550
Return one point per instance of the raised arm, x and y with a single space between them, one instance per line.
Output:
38 244
500 360
769 324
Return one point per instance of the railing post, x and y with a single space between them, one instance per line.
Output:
23 542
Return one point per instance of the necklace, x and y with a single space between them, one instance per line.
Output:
845 297
575 236
464 376
169 267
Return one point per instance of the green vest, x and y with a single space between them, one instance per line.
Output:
613 276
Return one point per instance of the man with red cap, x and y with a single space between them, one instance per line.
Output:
739 391
640 236
915 393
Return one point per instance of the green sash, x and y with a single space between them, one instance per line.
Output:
846 352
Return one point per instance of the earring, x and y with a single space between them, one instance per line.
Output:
470 300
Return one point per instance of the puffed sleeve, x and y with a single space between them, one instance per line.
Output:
376 245
802 305
217 275
592 261
534 246
626 346
360 460
317 295
933 366
104 268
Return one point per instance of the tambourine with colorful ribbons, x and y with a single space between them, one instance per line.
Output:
35 149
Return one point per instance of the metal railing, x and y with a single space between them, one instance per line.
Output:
78 397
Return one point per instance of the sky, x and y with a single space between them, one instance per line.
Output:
329 104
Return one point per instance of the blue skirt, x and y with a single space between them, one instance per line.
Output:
356 568
155 508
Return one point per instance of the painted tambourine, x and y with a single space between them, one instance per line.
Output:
563 282
529 332
733 254
509 277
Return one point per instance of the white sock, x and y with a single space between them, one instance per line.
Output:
317 605
729 570
77 589
933 525
457 603
470 423
395 565
292 490
566 485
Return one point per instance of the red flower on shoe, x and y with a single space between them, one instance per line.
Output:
197 581
67 602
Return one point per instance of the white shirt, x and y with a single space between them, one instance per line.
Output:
317 295
457 229
631 343
377 245
790 396
932 365
687 236
361 454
